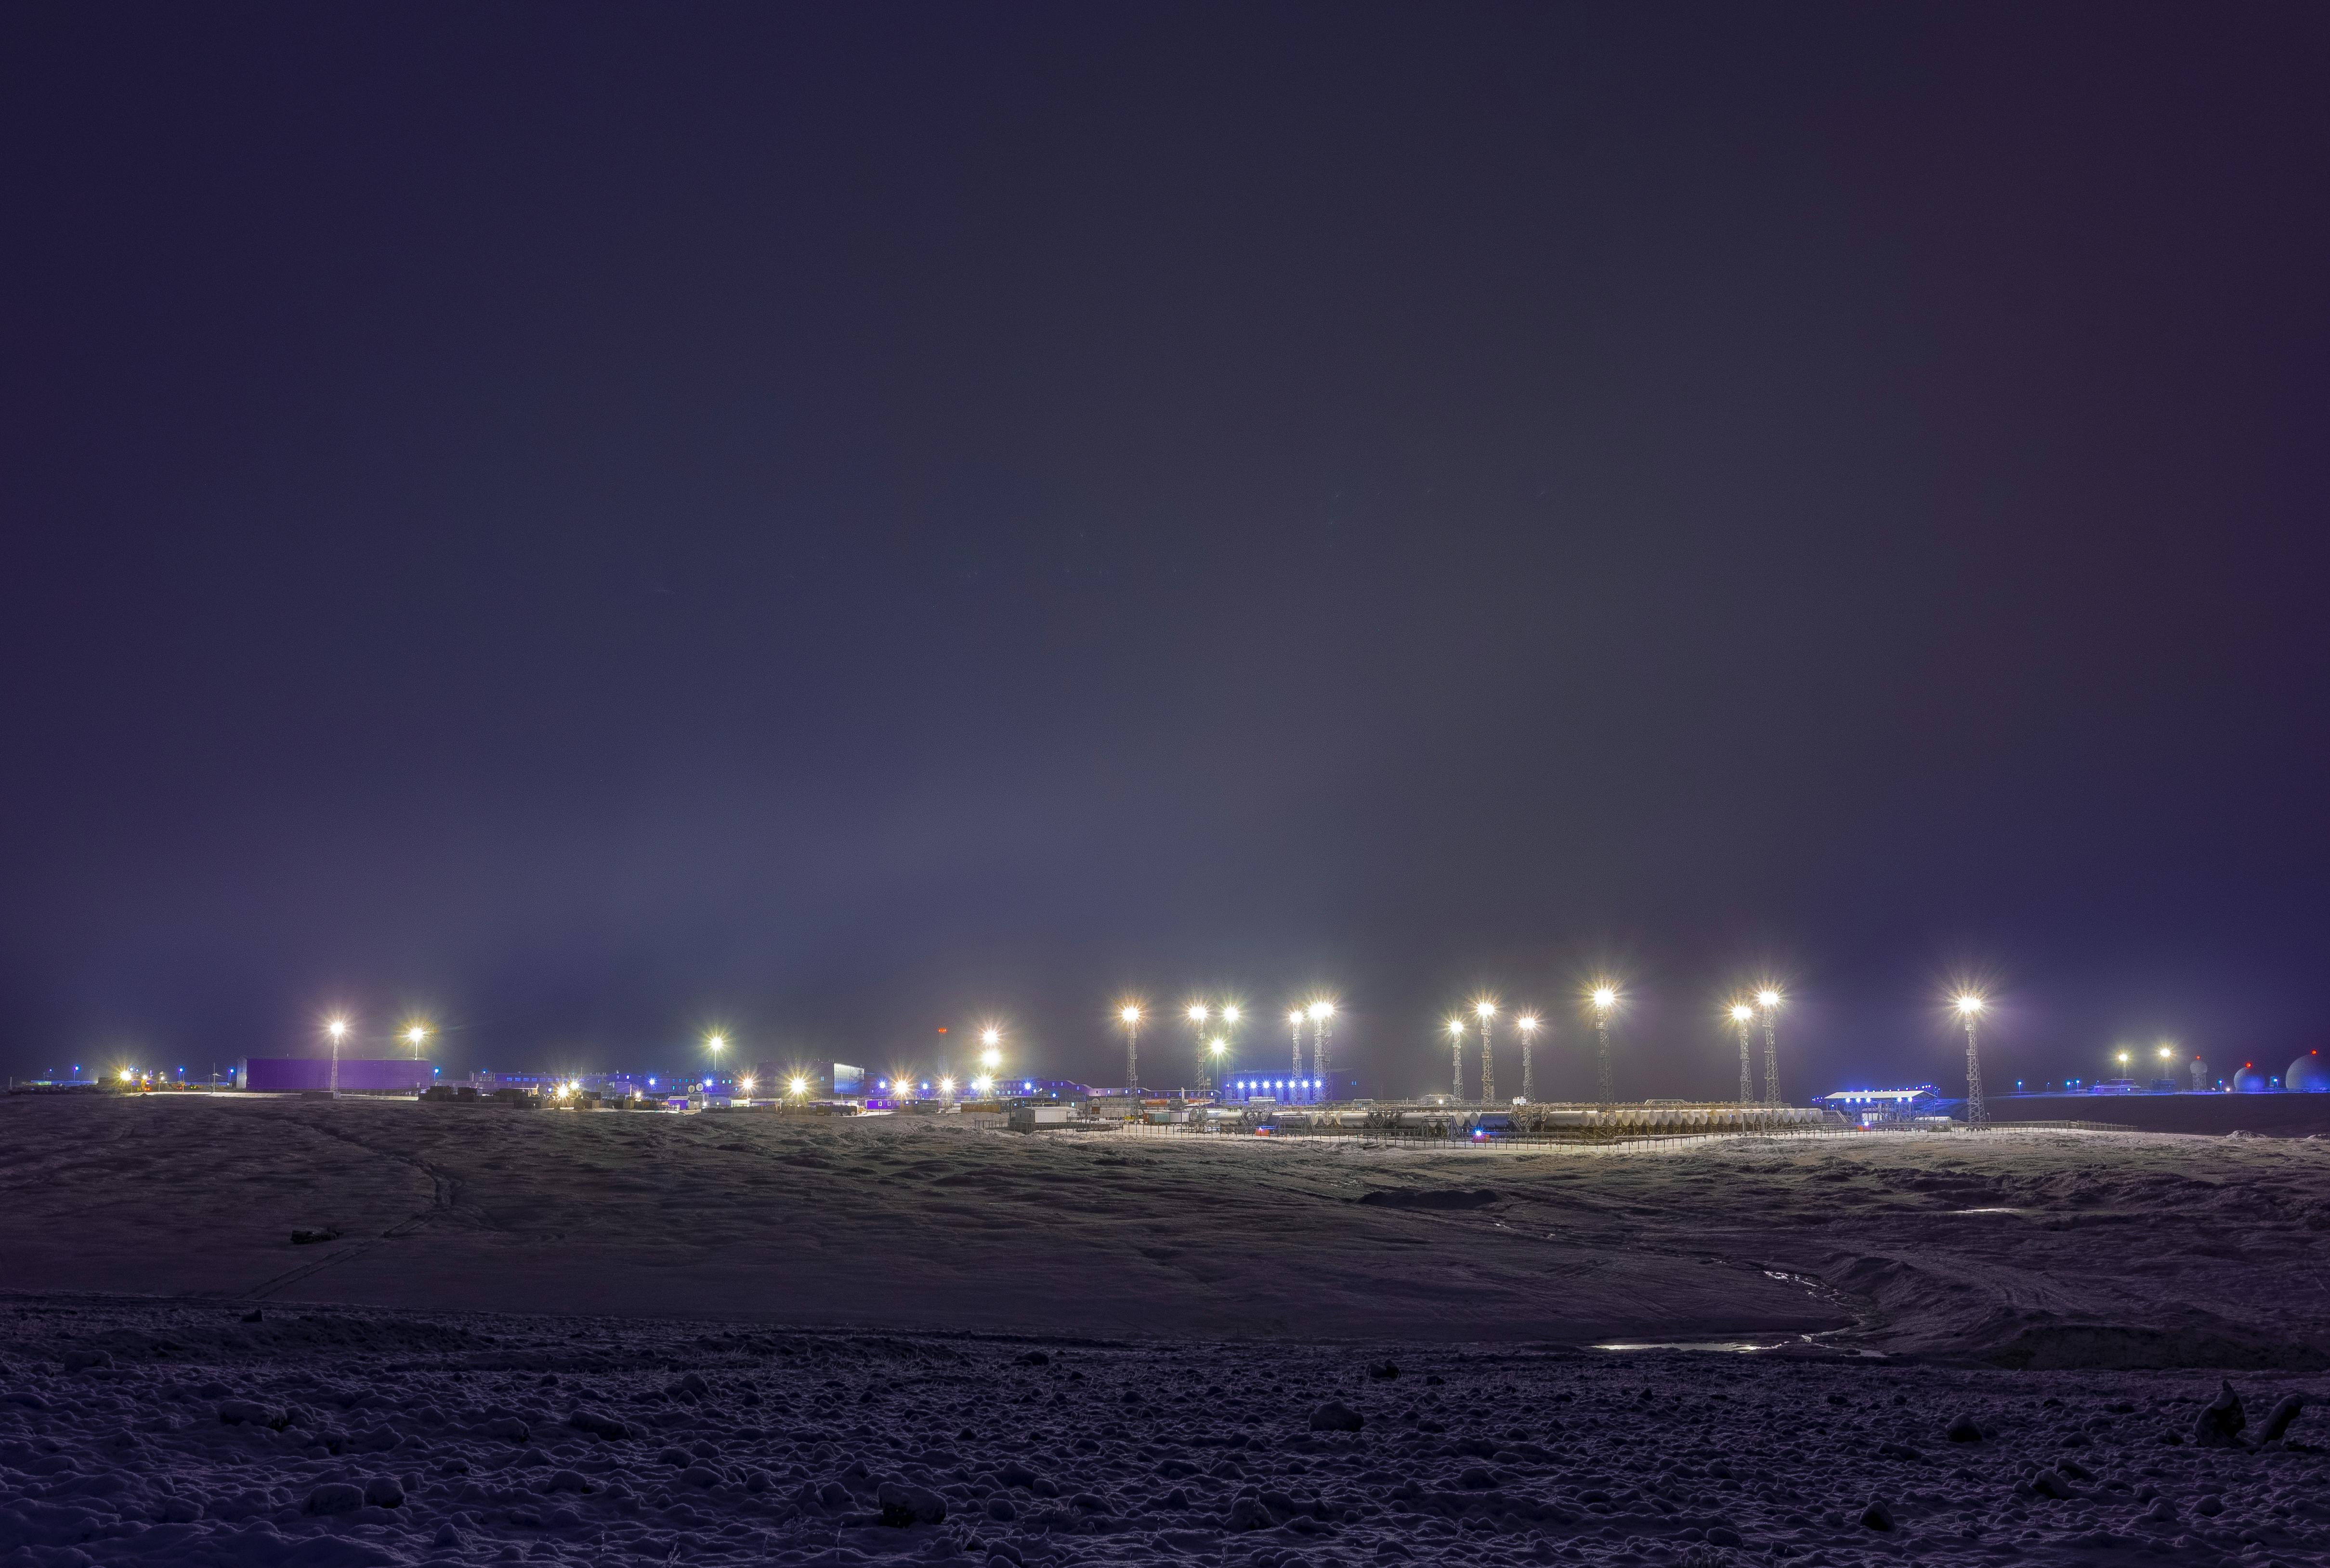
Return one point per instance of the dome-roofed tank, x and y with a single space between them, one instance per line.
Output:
2250 1080
2309 1075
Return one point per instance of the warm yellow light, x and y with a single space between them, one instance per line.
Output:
1604 996
2123 1059
946 1086
1322 1010
991 1037
1969 1003
337 1028
800 1085
1767 997
1456 1025
416 1034
1131 1014
1295 1017
2166 1052
1526 1023
1230 1014
982 1085
1218 1046
127 1073
1741 1013
990 1060
1487 1010
1199 1012
716 1041
745 1084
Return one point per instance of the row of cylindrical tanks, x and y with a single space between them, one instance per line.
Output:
1628 1120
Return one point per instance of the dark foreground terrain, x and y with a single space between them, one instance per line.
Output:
153 1433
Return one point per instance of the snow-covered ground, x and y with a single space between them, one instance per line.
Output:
758 1320
323 1437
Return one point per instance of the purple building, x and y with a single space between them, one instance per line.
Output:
295 1074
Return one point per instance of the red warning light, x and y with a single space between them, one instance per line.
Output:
942 1028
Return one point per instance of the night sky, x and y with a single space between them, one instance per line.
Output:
589 523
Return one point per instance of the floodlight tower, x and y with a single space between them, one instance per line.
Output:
1978 1114
1199 1015
1456 1059
990 1057
1744 1016
416 1035
1605 998
338 1030
1528 1023
1294 1019
1486 1011
1130 1016
1768 999
713 1043
1322 1016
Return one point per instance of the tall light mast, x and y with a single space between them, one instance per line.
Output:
1130 1016
1456 1059
1199 1017
1294 1018
1528 1023
1977 1113
1744 1016
1770 1000
1605 998
1486 1011
1322 1016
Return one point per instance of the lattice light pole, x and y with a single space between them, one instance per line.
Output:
1487 1012
1130 1016
1322 1016
1528 1023
1768 999
1977 1113
1605 998
1294 1024
338 1030
1199 1017
1456 1059
1744 1016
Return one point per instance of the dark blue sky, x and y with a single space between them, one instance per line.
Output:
588 522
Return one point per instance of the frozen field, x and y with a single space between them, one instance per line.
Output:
329 1436
2056 1249
637 1339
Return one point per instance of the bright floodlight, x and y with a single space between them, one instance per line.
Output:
1455 1025
1969 1003
1131 1014
990 1059
1199 1012
1218 1046
800 1085
1741 1013
991 1037
1526 1023
946 1086
745 1084
2123 1059
1767 997
1322 1009
337 1028
716 1041
127 1073
2166 1052
1486 1009
1603 996
416 1034
1230 1014
1295 1017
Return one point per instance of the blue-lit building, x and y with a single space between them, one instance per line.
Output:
1286 1088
